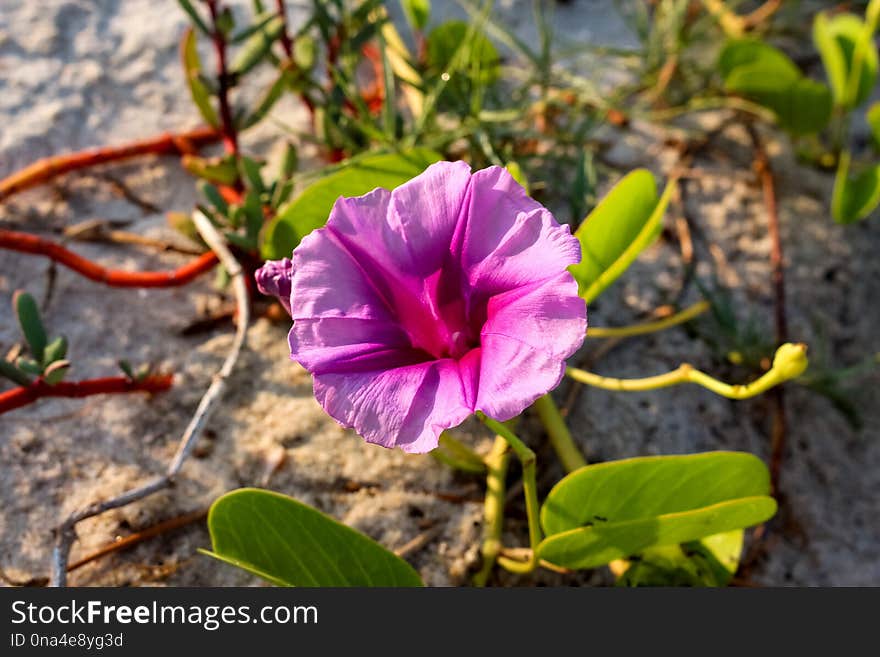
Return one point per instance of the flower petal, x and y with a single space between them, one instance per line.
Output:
405 407
528 334
511 240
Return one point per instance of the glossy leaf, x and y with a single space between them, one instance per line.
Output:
613 510
836 38
311 208
625 223
56 372
854 198
291 544
768 77
30 323
192 67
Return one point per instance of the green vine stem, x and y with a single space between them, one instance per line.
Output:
496 462
530 491
560 437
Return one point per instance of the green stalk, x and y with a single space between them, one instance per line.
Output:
560 437
530 491
493 510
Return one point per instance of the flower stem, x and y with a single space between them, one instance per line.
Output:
681 317
560 437
530 491
493 509
790 362
45 169
27 243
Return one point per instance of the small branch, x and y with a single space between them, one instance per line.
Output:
66 532
39 389
682 317
44 170
27 243
140 537
286 41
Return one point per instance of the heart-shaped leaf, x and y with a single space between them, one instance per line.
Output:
291 544
311 208
767 76
613 510
618 229
836 38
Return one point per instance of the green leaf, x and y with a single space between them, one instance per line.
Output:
613 510
290 544
417 12
55 350
449 48
125 366
619 228
251 169
257 46
458 456
214 196
767 76
29 366
304 49
872 116
854 198
218 170
30 323
56 372
311 208
192 66
836 38
10 371
267 100
187 6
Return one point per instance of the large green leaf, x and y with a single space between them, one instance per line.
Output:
836 39
855 197
613 510
767 76
612 236
311 208
291 544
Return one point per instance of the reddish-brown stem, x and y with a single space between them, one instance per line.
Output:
43 170
27 243
230 134
768 187
287 46
24 395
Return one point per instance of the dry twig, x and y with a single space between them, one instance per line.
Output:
66 532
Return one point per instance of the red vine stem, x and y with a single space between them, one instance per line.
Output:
27 243
45 169
24 395
230 134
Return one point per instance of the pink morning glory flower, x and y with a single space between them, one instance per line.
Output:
415 308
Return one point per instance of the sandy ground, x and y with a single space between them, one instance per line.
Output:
77 73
